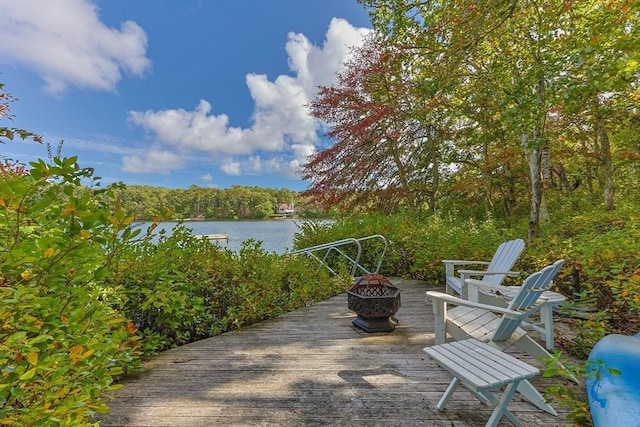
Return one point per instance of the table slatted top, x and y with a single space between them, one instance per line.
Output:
480 365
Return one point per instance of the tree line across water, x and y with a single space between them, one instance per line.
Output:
237 202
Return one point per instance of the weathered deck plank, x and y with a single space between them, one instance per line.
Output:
308 368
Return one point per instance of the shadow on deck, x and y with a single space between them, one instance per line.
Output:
311 367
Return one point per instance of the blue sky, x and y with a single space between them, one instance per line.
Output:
175 93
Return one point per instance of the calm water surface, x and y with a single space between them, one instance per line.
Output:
275 235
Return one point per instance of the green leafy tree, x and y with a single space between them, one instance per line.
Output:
509 71
264 210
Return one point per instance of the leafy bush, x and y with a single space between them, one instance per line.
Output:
60 346
417 244
600 246
184 288
565 394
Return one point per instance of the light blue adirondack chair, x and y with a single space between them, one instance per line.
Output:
496 270
497 326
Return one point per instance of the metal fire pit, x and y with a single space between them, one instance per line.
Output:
375 300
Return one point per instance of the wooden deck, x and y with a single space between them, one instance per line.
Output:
311 367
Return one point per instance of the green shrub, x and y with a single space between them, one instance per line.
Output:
60 346
183 288
602 248
417 243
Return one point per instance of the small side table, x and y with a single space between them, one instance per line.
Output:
481 368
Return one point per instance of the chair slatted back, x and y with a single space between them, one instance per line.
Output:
529 292
503 260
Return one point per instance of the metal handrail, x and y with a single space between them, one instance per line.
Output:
335 247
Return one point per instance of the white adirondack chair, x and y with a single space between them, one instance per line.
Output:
496 270
502 295
494 325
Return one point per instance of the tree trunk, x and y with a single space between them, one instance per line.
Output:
589 176
509 194
402 173
539 143
535 161
435 178
546 165
536 192
607 162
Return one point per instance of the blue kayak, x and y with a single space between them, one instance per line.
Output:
614 399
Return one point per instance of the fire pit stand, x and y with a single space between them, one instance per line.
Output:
375 300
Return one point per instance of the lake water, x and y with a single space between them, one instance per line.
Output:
275 235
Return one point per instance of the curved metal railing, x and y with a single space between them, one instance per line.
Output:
322 252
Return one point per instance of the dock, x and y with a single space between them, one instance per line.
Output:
221 236
312 367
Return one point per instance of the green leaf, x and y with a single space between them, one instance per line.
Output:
16 337
116 370
28 375
614 371
35 173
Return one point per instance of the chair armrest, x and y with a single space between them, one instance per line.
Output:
473 288
471 292
485 285
440 296
464 262
486 273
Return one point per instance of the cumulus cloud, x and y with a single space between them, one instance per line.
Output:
153 161
231 168
282 132
316 66
194 130
68 45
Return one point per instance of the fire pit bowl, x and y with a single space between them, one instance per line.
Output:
375 300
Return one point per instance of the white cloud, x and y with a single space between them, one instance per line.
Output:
206 178
282 133
254 164
153 161
68 45
315 66
231 168
195 130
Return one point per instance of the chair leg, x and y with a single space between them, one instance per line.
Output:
533 395
439 313
546 318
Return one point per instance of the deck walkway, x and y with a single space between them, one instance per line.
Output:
310 368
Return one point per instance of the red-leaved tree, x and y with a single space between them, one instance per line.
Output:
384 152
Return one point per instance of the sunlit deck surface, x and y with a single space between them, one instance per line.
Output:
312 367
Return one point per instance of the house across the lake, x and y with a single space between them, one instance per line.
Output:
286 209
